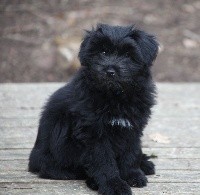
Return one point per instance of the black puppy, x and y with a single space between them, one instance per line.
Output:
91 128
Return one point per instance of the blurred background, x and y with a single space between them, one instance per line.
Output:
39 39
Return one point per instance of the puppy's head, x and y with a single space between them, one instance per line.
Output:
118 55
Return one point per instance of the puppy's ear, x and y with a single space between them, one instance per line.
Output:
86 42
101 27
148 45
84 47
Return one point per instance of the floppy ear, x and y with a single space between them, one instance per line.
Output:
99 27
83 47
86 42
147 44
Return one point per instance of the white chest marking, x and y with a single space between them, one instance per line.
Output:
120 122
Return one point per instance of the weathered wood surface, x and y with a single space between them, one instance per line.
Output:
172 135
161 164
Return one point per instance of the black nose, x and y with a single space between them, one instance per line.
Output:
110 72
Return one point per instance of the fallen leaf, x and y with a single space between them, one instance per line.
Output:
189 43
157 137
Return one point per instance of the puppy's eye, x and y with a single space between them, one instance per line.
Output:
127 54
104 49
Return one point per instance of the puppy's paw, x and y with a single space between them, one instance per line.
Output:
148 167
137 179
116 186
92 184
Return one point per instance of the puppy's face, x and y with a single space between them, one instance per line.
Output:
117 54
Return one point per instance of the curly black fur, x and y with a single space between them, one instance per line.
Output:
91 128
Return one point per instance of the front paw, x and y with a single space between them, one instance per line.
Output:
92 184
137 178
147 167
116 186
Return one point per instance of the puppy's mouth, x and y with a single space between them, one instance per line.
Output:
110 77
111 81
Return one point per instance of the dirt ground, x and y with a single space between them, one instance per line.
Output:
39 40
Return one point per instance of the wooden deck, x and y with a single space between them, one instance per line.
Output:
173 135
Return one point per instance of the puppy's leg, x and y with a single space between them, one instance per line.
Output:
147 166
53 156
129 165
49 170
100 165
92 184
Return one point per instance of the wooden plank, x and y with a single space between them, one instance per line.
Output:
14 154
173 96
24 122
68 188
79 188
171 153
13 165
181 132
25 95
18 132
162 176
27 140
168 88
14 132
27 122
33 108
174 152
175 108
30 87
161 164
159 111
10 113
